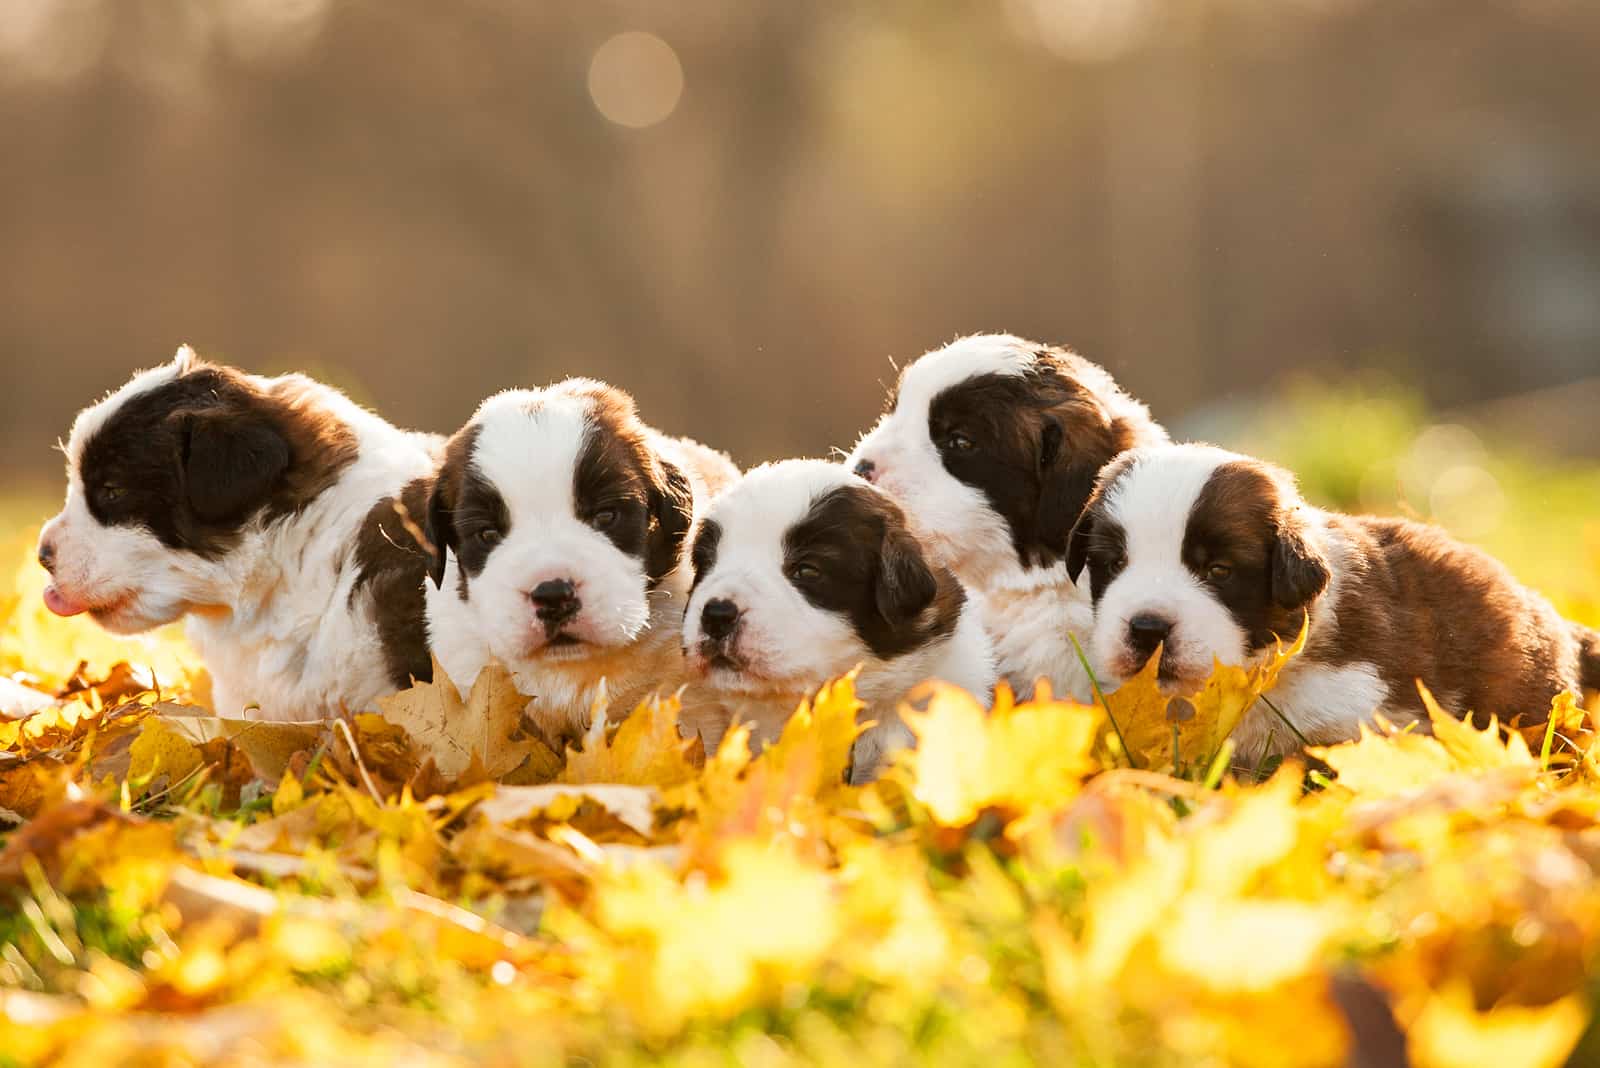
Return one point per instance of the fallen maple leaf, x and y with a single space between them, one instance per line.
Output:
160 752
1159 730
486 728
1020 758
1387 761
645 749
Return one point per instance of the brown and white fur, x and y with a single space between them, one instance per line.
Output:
803 571
1214 556
559 523
259 509
991 445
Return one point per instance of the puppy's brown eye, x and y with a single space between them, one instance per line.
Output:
603 519
803 572
1220 572
489 536
110 494
957 441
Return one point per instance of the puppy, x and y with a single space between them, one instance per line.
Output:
265 511
992 445
558 523
803 571
1213 556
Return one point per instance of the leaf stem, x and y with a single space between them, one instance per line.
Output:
1100 696
1304 741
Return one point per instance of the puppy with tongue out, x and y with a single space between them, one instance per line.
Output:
263 510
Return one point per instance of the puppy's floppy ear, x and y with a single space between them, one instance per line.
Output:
1066 483
438 528
1299 570
230 465
671 500
905 585
1078 544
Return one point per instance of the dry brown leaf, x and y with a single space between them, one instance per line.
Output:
487 725
634 806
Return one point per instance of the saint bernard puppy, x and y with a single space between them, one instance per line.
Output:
265 510
558 523
991 445
1209 555
803 571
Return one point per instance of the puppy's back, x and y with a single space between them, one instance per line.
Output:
1424 605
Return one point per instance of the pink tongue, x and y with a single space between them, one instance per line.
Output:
61 604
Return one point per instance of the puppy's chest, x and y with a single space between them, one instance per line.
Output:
1030 632
314 675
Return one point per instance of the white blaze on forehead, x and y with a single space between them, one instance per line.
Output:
1152 499
758 510
528 446
92 418
962 359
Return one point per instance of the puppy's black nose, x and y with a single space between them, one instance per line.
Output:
866 469
47 556
555 600
1147 630
718 618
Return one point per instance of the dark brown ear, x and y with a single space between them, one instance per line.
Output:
230 466
1065 485
1299 570
438 527
671 500
905 584
1078 544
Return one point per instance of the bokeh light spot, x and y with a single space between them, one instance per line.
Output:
635 79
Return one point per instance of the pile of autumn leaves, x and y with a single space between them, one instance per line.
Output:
1037 883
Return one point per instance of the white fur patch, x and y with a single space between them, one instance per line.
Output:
1152 502
1325 703
272 617
790 646
1028 611
528 448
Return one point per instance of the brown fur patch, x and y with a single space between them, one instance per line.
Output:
1418 604
1037 443
392 565
200 457
621 469
870 567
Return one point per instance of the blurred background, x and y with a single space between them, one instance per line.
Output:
1360 235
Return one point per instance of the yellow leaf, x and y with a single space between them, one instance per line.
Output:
1020 758
1234 945
634 806
710 947
161 751
1475 750
1147 718
1389 761
1449 1032
268 745
813 752
288 795
645 749
486 726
